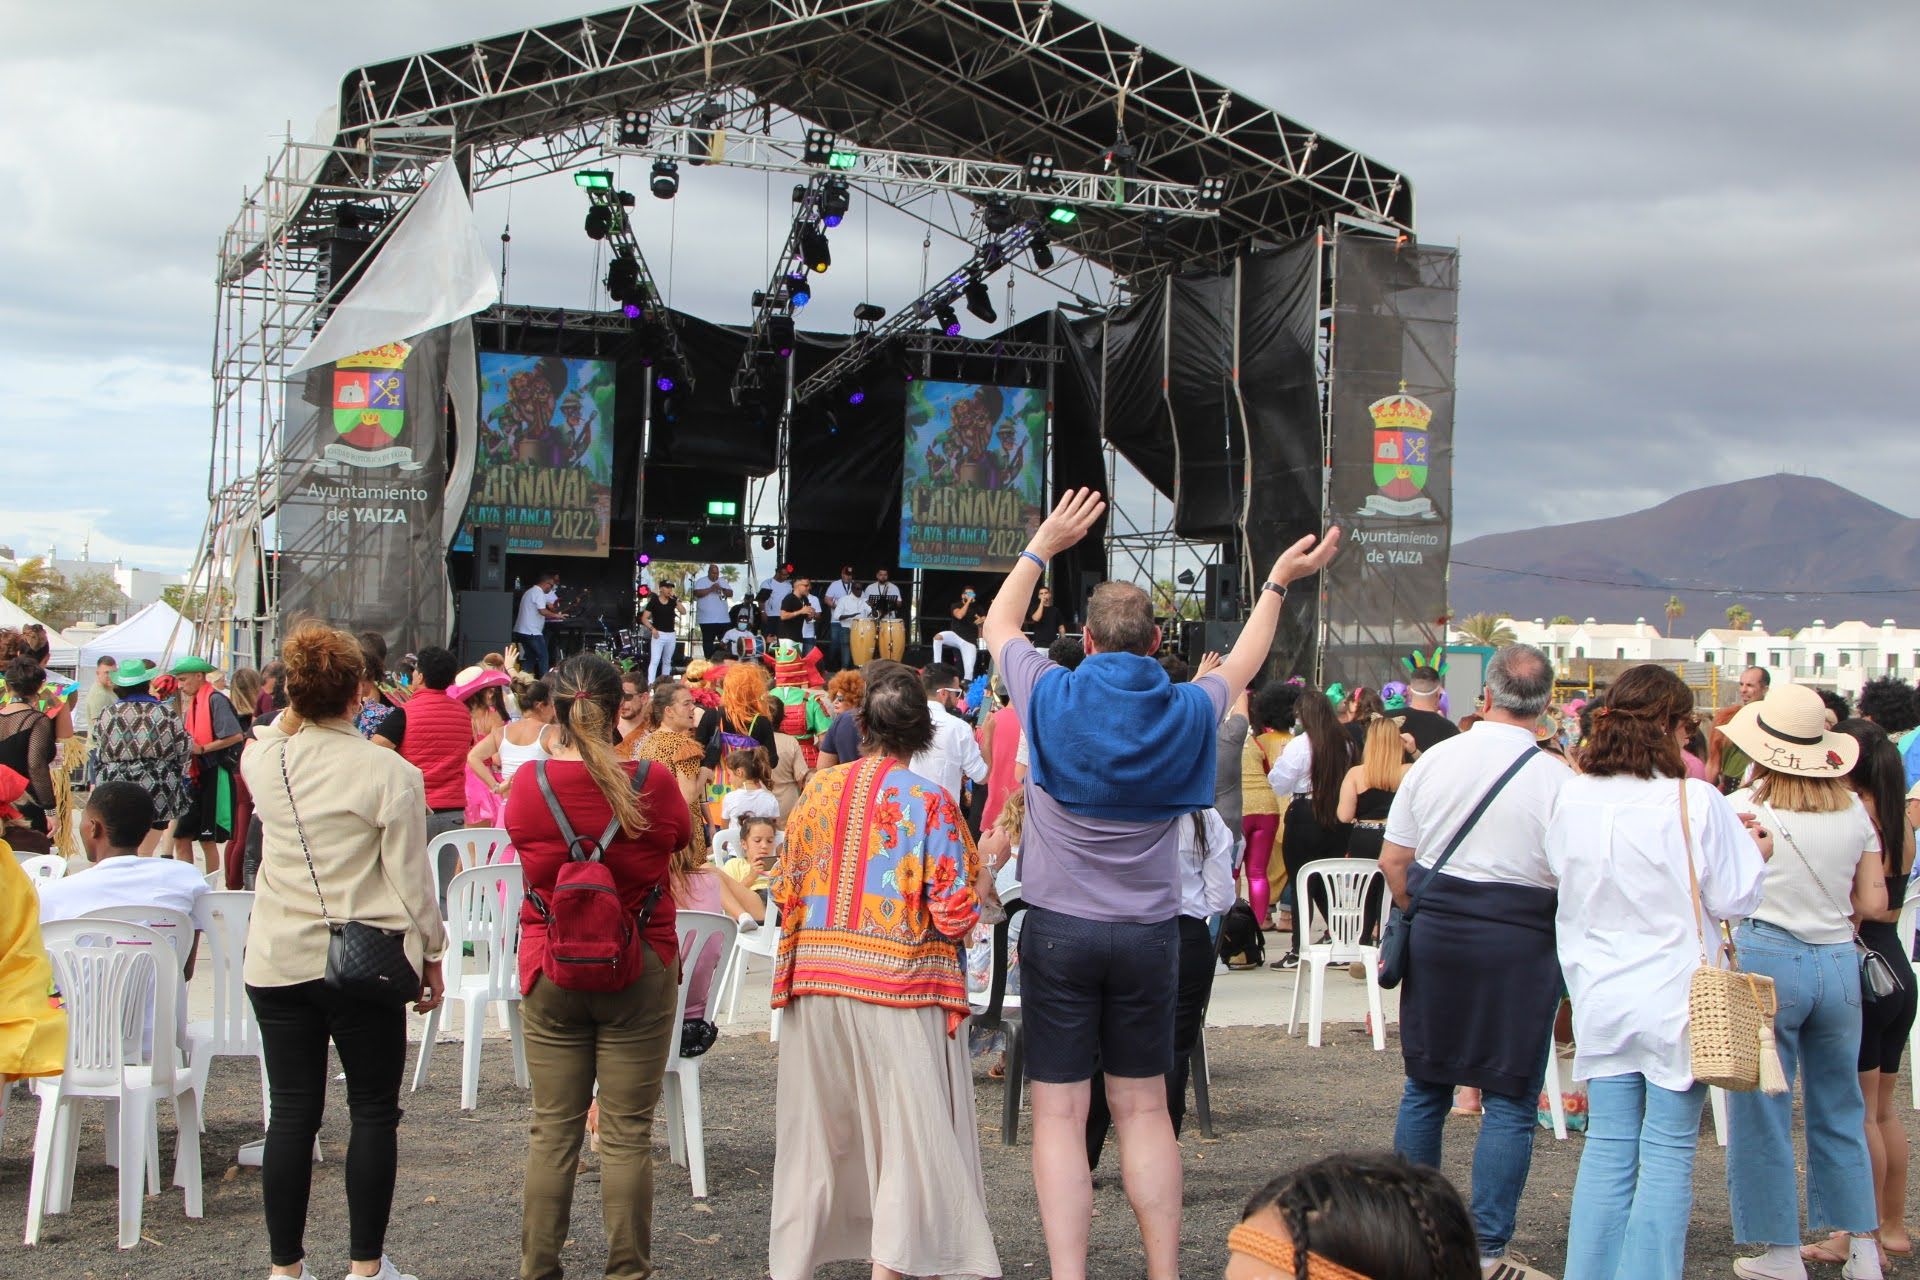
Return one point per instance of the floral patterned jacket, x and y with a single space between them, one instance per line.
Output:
875 889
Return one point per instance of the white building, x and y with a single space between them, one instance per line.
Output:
1564 642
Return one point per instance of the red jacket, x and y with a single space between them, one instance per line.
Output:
439 735
638 862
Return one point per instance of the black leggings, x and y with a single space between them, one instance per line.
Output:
295 1024
1189 1009
1305 840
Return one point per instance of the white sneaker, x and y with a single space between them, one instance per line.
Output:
387 1271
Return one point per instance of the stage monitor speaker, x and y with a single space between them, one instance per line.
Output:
1090 579
485 624
490 558
1201 635
1223 592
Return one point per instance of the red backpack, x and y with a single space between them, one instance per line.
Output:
593 943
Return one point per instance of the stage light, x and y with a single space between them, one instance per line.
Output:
1042 254
594 179
1213 193
1186 577
799 292
857 396
1040 169
834 201
780 335
599 222
658 537
636 129
766 542
992 256
646 560
980 301
645 591
1063 215
869 313
1124 158
664 382
843 158
1153 236
630 310
997 215
721 507
694 540
665 183
949 322
818 148
814 250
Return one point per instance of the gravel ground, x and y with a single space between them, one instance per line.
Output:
456 1213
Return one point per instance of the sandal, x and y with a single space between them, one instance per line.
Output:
1832 1250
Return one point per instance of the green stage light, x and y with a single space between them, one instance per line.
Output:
694 540
717 507
841 158
594 179
1063 214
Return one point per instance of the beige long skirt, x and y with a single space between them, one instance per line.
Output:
878 1148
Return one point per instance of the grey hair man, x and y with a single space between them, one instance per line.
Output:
1482 983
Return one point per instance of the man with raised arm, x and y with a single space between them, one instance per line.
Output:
1118 755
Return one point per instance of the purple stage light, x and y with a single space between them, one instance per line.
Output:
831 220
631 310
645 560
664 382
953 330
858 397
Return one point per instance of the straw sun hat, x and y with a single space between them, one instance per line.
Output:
1786 731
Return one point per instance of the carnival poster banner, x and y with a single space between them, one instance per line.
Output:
544 470
974 475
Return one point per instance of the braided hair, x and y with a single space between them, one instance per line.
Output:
1376 1214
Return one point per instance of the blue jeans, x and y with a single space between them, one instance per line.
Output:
1634 1195
842 646
533 653
1501 1157
1818 1029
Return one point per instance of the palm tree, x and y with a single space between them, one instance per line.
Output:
1738 616
1676 610
1489 629
1563 620
30 583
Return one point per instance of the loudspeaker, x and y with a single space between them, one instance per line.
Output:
1090 579
489 559
485 623
1206 636
1223 592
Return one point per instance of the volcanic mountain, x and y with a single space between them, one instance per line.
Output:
1789 548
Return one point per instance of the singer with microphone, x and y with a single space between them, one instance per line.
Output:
797 614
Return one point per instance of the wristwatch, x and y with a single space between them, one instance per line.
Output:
1274 587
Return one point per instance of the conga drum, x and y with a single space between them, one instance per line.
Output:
865 634
893 639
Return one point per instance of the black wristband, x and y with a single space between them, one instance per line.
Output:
1274 587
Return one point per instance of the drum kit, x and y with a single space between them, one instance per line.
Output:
886 636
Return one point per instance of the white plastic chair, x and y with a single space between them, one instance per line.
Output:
1555 1089
726 846
216 879
483 908
44 867
1904 928
763 942
175 926
1346 883
113 976
686 1131
222 918
476 846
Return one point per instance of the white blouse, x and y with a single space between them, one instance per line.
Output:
1206 869
1833 844
1292 773
1627 934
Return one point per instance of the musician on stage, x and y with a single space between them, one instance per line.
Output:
1044 623
662 613
712 609
883 597
797 613
538 606
848 608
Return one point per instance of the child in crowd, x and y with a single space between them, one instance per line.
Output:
1346 1217
759 848
752 794
697 886
1000 870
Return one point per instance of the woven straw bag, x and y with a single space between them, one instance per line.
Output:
1729 1013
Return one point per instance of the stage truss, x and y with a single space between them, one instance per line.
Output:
964 84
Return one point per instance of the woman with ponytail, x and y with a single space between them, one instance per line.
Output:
576 1040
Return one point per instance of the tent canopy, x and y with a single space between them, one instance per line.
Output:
154 633
62 658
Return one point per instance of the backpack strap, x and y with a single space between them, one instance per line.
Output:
613 824
567 832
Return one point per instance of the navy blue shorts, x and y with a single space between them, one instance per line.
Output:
1097 996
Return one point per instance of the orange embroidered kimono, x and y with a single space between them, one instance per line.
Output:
875 889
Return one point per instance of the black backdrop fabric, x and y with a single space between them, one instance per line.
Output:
1396 310
1207 384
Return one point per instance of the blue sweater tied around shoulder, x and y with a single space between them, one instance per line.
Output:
1115 739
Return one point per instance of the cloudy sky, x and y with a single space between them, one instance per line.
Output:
1687 230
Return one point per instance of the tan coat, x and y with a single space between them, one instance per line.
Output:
790 774
365 813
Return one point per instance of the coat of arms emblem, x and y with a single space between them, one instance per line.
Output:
1400 457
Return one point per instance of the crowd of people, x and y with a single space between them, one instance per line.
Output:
1111 812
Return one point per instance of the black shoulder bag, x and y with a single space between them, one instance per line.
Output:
1395 941
364 961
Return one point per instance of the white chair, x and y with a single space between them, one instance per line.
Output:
483 908
222 918
43 867
1346 883
216 879
763 942
1717 1102
475 846
175 926
1555 1089
113 976
726 846
680 1092
1903 927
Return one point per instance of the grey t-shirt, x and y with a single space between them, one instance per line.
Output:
1229 743
1094 868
